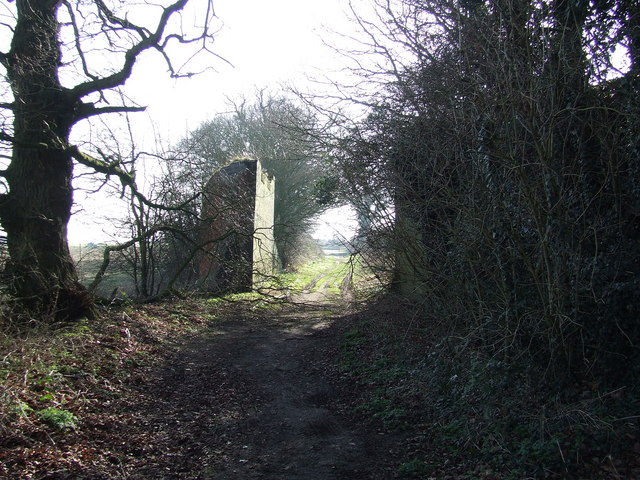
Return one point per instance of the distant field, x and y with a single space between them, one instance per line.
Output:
335 251
86 252
88 259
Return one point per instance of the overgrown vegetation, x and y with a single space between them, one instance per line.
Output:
467 414
496 171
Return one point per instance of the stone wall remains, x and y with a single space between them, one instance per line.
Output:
237 228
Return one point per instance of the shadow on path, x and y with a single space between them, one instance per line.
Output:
255 397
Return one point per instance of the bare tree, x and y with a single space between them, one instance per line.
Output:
282 135
94 45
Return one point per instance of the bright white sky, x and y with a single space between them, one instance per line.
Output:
268 44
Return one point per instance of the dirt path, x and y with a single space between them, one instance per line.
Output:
255 398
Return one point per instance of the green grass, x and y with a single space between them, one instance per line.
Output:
257 300
326 274
21 409
57 418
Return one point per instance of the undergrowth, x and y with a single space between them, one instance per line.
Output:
65 387
487 416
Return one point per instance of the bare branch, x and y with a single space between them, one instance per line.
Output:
77 38
131 56
126 179
123 22
106 258
87 110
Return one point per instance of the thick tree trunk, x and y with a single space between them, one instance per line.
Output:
36 210
35 218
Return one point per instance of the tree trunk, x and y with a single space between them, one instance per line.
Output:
36 210
35 218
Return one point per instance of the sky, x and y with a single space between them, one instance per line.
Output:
264 45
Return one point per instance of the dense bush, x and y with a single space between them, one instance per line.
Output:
505 147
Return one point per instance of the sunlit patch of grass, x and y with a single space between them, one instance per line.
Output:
330 275
57 418
235 297
244 296
253 300
326 274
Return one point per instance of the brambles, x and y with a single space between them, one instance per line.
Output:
467 413
495 173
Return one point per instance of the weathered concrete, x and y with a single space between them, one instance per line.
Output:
238 217
264 249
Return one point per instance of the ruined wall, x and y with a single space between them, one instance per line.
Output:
264 247
237 227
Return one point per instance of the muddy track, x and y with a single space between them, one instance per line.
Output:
256 397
